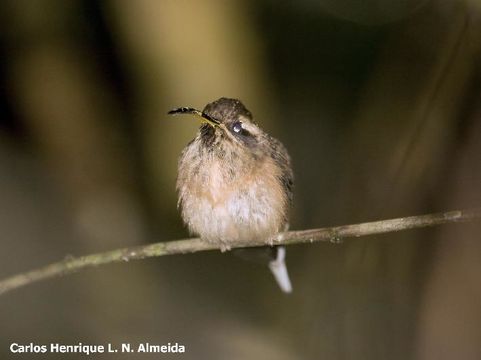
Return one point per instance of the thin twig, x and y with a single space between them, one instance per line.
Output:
331 234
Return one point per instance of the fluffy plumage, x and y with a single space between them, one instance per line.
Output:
234 180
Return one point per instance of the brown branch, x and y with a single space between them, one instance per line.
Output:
331 234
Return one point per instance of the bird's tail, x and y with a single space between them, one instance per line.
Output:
279 270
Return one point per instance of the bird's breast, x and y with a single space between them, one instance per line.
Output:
221 203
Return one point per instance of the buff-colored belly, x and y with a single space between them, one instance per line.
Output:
242 215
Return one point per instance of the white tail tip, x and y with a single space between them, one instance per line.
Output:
279 270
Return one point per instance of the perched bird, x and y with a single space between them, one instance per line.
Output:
235 182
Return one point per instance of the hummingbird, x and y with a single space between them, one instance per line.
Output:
235 182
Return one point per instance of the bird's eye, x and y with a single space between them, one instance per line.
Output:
239 131
237 127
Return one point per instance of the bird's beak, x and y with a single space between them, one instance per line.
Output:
191 111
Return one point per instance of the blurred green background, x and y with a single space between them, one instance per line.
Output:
379 105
